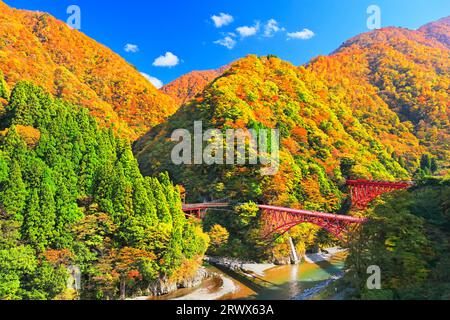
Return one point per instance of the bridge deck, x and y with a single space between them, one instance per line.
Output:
204 206
384 184
314 214
281 219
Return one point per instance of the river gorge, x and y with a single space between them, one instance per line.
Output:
266 282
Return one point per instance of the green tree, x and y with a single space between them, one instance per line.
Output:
428 164
144 206
4 168
407 236
4 91
17 264
46 283
78 190
162 206
14 193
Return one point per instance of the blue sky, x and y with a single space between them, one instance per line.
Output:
300 29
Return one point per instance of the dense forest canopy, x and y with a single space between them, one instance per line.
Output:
321 143
186 87
398 70
376 108
37 47
408 238
76 196
71 194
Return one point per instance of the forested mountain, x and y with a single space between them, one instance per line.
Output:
186 87
71 194
369 110
35 46
402 70
438 30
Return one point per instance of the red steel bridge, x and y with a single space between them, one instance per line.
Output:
362 192
279 220
198 210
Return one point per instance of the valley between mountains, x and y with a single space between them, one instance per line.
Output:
87 182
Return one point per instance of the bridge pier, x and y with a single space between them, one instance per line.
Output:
294 255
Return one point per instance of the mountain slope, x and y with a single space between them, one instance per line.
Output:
438 30
189 85
406 71
268 93
71 194
369 110
35 46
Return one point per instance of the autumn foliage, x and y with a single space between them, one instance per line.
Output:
37 47
369 110
186 87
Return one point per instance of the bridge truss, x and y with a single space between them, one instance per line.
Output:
362 192
279 220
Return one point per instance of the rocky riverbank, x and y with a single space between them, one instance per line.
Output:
324 255
164 286
225 287
247 267
259 268
243 279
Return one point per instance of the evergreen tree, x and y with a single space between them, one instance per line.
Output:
174 254
31 220
48 208
67 214
425 162
88 165
123 196
103 187
77 195
144 207
4 92
4 168
17 264
14 146
23 104
14 193
162 206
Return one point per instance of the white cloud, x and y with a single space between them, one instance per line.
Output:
271 28
226 42
167 60
223 19
155 81
131 48
246 31
305 34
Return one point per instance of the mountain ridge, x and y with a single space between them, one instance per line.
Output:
187 86
370 110
39 48
439 30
